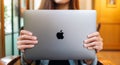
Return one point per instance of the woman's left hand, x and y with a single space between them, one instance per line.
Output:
94 41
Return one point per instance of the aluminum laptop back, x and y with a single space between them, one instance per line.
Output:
60 33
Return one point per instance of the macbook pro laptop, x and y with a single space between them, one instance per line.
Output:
60 33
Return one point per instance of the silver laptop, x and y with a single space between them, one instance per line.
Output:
60 33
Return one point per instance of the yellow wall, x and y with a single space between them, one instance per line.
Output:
109 17
108 14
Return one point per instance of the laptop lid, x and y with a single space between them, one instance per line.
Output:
60 33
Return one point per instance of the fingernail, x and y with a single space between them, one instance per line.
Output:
32 45
90 48
85 41
88 36
30 33
35 38
36 42
85 45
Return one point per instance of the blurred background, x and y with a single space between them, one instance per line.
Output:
108 18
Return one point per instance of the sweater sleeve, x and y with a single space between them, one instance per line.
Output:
93 63
23 62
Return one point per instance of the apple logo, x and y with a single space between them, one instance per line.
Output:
60 35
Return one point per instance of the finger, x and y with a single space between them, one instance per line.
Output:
90 48
26 42
93 34
27 37
25 32
23 47
90 44
98 48
93 39
101 39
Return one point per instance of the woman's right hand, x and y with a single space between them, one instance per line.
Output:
26 40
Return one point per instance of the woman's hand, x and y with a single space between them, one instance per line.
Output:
94 41
26 40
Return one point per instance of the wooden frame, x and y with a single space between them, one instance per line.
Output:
2 43
111 3
27 4
33 4
93 4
